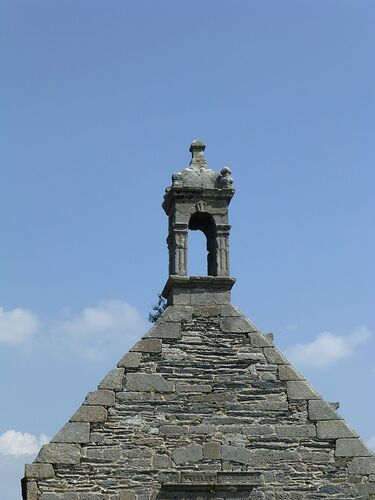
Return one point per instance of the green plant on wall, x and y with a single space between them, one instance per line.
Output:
212 490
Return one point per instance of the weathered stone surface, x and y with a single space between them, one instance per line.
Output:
321 410
248 420
127 495
130 360
258 340
287 372
165 330
333 429
162 462
193 388
148 345
39 471
173 430
238 454
59 496
191 453
351 447
90 414
362 466
297 431
169 477
113 380
236 325
229 310
297 390
206 311
73 432
177 314
211 450
273 355
148 382
31 490
101 397
59 453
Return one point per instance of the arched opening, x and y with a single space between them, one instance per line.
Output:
205 223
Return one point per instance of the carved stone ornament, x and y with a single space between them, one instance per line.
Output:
201 206
225 179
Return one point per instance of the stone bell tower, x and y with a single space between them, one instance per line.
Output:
199 200
204 406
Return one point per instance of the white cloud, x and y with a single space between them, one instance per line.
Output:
327 348
17 325
95 331
371 443
21 443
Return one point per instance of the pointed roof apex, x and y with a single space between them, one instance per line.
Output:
197 148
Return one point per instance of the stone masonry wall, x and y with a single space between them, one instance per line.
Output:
204 406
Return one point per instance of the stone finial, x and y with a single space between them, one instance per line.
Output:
196 149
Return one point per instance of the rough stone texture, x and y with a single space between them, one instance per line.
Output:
59 453
101 397
148 382
287 372
113 380
165 330
208 408
90 414
130 360
39 471
204 405
333 429
148 346
73 432
321 410
297 390
351 447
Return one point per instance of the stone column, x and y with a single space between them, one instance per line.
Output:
222 250
177 244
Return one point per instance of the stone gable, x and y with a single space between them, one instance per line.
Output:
204 405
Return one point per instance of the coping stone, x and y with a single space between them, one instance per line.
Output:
229 310
258 340
59 453
90 414
113 380
274 356
103 397
288 372
164 330
321 410
236 325
148 345
297 390
362 465
31 490
351 447
39 471
333 429
73 432
130 360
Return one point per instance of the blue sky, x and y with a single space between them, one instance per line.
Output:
100 101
